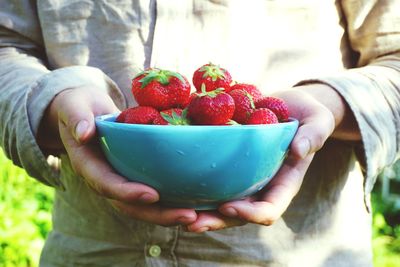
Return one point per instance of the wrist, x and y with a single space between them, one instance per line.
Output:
48 136
346 127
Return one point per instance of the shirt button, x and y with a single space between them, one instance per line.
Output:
154 251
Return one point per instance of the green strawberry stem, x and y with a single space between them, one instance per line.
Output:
251 100
232 122
212 94
175 119
161 76
212 71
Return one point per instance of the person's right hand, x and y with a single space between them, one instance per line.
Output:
71 116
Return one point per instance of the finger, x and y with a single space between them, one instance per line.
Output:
275 198
89 162
211 221
156 214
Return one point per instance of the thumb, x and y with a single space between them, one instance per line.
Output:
84 130
312 134
78 110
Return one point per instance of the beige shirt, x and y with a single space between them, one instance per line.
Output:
47 46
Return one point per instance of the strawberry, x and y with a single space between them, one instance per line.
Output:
160 89
249 88
262 116
138 115
211 108
173 116
277 105
213 77
192 95
244 105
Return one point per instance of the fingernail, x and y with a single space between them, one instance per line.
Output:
147 198
230 212
303 147
202 229
81 129
185 219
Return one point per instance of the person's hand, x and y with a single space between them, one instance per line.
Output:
319 110
71 116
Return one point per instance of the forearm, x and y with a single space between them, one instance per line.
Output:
20 80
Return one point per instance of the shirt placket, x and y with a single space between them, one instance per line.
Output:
160 246
170 33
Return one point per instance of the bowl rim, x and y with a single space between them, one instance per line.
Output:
109 119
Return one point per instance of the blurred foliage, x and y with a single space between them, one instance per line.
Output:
25 220
386 228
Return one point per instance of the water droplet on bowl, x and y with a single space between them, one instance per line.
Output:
180 152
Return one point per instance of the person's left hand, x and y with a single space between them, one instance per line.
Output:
69 122
316 124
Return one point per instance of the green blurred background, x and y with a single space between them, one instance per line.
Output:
25 219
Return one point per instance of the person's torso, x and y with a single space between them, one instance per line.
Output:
273 44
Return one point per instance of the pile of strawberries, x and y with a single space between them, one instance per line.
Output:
165 98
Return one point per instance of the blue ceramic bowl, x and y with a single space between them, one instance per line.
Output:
197 167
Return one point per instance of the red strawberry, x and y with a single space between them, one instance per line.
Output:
138 115
277 105
249 88
161 89
192 95
213 77
244 105
211 108
173 116
262 116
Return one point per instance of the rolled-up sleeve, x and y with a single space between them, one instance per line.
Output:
27 87
372 88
